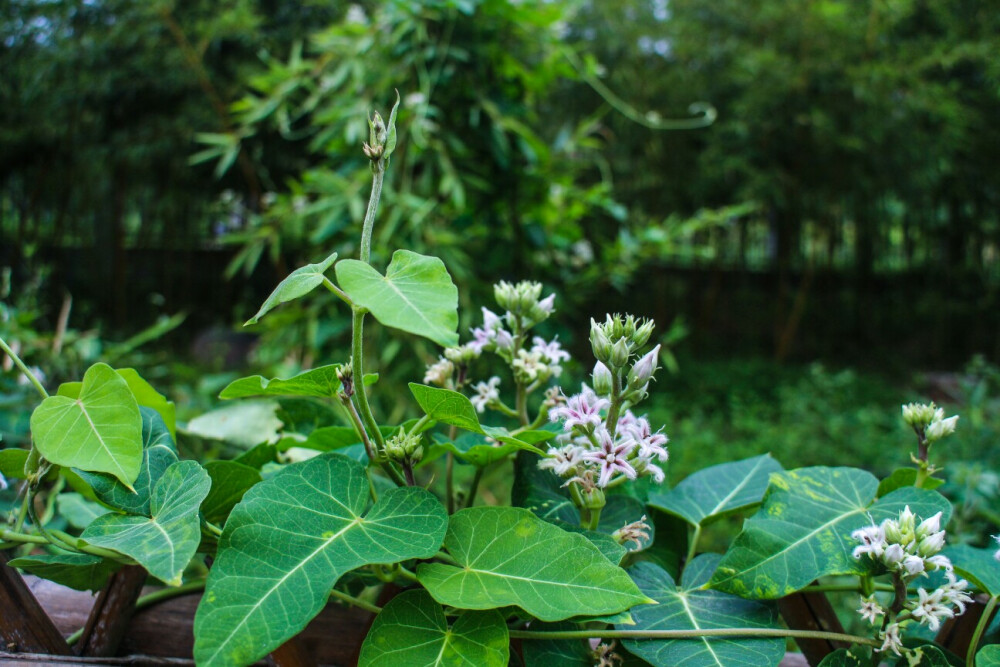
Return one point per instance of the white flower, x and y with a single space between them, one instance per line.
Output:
650 445
552 353
893 555
931 609
870 609
582 411
439 372
530 366
564 460
931 544
892 639
872 540
612 457
486 393
939 561
929 526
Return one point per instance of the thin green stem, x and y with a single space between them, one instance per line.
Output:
23 513
593 518
327 283
24 369
521 404
504 409
369 223
21 538
357 602
693 544
845 588
359 428
212 528
449 479
693 634
419 426
616 402
474 488
406 574
984 621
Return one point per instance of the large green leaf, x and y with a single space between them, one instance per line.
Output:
508 556
412 630
288 542
81 572
144 394
415 295
447 406
320 382
247 423
101 431
988 656
230 481
299 282
977 565
556 652
689 607
844 658
166 540
719 490
158 454
803 529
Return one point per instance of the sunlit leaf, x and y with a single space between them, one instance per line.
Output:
321 382
415 295
101 431
508 556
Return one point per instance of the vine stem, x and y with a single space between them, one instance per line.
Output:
24 369
984 621
693 545
474 488
693 634
357 602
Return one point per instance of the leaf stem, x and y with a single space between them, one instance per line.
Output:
23 513
357 602
446 557
693 634
984 621
24 369
692 544
327 283
474 488
616 403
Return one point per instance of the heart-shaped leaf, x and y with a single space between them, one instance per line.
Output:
718 490
101 431
901 477
230 480
508 556
144 394
803 529
165 541
299 282
416 294
12 463
81 572
690 608
288 542
158 454
412 630
322 382
979 566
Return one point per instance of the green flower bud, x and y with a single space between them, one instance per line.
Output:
642 333
619 355
403 447
643 370
602 380
599 342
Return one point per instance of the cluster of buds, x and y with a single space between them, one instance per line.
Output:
908 550
615 342
442 371
523 301
404 448
604 654
928 421
594 456
377 135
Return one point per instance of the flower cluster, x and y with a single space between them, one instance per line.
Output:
929 421
907 550
592 454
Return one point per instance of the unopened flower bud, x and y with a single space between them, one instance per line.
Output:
893 555
505 295
619 354
599 342
603 382
929 526
643 370
346 376
403 447
919 415
642 333
931 544
913 565
940 428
